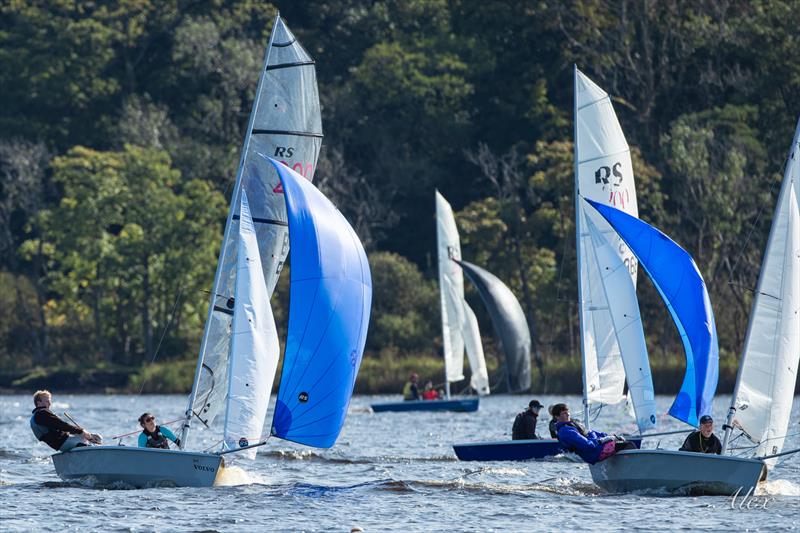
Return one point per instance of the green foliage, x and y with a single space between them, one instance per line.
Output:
405 310
127 241
122 126
163 378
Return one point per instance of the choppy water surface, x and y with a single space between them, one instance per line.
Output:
388 472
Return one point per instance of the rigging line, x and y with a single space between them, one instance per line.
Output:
163 334
750 234
139 430
561 266
215 444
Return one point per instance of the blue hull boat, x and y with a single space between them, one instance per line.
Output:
514 450
462 405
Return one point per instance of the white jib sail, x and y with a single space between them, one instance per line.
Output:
477 362
451 290
604 174
617 286
285 124
770 357
253 359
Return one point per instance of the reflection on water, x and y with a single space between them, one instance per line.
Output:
388 472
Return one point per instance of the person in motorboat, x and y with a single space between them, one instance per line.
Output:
552 425
153 436
411 390
524 427
593 446
703 440
430 393
50 429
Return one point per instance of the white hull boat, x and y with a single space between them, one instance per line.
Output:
138 467
675 471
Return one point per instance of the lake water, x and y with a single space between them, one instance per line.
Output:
387 472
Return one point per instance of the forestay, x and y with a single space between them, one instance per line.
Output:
509 324
683 290
616 285
768 371
329 308
603 173
254 345
285 124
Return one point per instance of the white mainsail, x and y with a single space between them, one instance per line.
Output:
254 350
459 325
603 173
451 290
768 372
285 123
616 285
477 362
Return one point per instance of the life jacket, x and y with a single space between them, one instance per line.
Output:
410 391
156 439
38 431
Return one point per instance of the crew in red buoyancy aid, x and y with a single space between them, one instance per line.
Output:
430 393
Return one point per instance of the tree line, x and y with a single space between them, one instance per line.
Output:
122 125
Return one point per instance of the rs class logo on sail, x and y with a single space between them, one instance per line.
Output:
609 175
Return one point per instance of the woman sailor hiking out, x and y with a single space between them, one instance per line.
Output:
153 436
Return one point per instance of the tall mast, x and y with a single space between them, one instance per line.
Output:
198 369
578 231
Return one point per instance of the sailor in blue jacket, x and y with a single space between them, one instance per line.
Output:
591 446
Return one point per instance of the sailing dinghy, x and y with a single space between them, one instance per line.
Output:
681 286
612 341
764 390
459 326
460 330
330 301
762 400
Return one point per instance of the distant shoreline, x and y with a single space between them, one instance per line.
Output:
375 377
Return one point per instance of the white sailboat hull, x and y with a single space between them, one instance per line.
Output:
679 472
137 467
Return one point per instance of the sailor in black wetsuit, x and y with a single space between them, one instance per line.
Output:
525 423
704 440
53 431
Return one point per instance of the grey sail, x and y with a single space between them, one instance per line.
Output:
509 324
285 124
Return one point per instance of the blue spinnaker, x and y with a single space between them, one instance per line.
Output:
682 288
329 306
